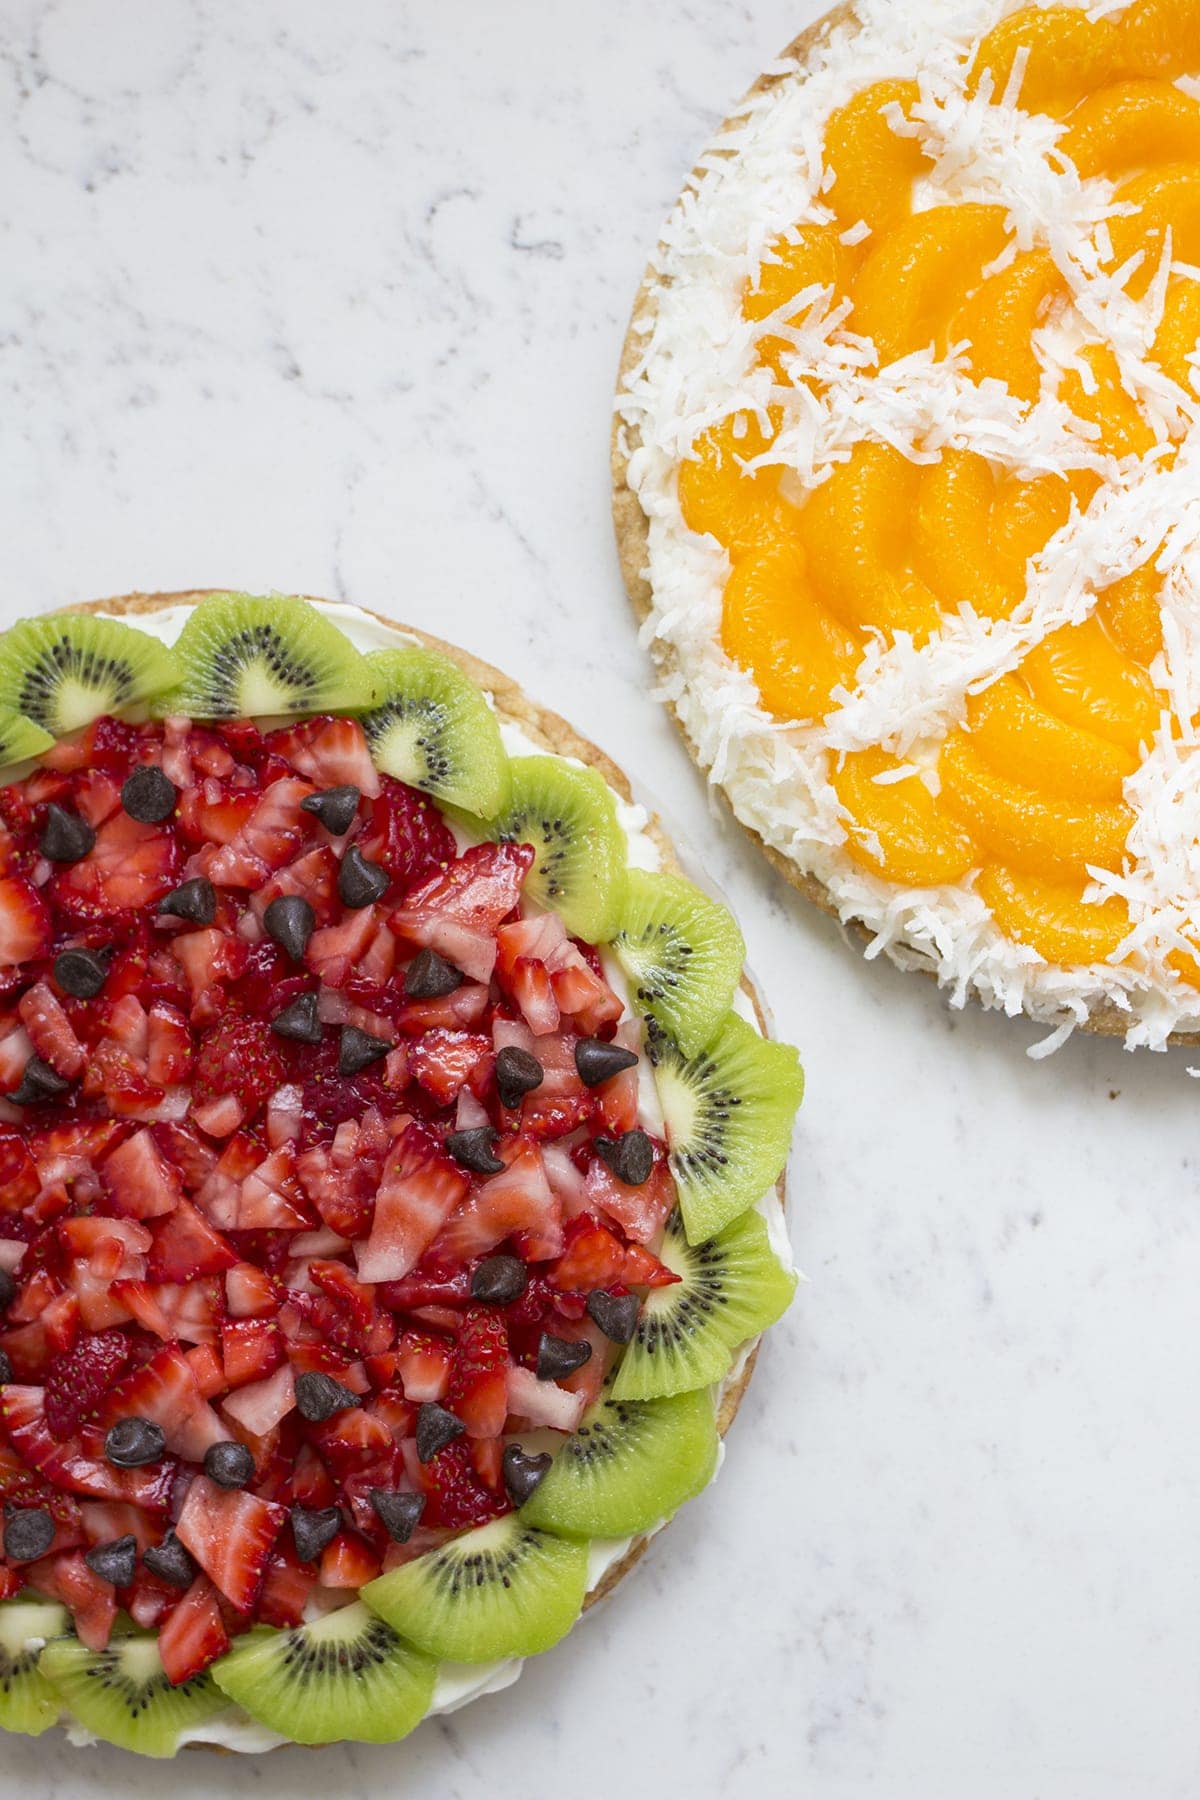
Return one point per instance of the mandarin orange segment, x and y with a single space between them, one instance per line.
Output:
857 561
1177 342
914 281
1019 738
1079 673
1132 125
1131 613
1026 515
774 627
896 828
810 257
1162 37
1165 200
742 510
951 535
1052 917
1023 828
1068 55
873 166
999 318
1101 399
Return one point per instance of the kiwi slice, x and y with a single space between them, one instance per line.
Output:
568 815
503 1589
64 669
433 728
243 656
28 1703
683 955
729 1113
730 1288
20 738
628 1466
344 1676
123 1695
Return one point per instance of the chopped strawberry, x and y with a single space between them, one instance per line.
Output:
543 1403
456 913
185 1247
169 1045
331 752
271 1197
24 922
250 1349
206 1366
19 1180
237 1059
406 834
286 1587
641 1212
270 837
193 1634
249 1292
165 1390
423 1365
129 867
208 958
50 1030
478 1392
214 813
67 1466
443 1061
348 1562
141 1183
455 1495
260 1405
231 1534
519 1200
594 1257
78 1379
419 1190
92 1602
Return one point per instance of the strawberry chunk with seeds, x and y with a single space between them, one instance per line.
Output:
478 1391
519 1200
423 1365
419 1190
330 752
455 1495
250 1349
250 1292
456 913
50 1030
443 1061
185 1247
285 1589
237 1060
79 1378
231 1534
24 922
260 1406
641 1211
193 1634
165 1390
406 834
91 1602
141 1183
129 868
348 1562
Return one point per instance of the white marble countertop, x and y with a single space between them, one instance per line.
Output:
330 298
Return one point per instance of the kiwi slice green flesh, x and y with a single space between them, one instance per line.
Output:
433 728
123 1695
65 669
728 1113
682 953
344 1676
20 737
731 1287
503 1589
28 1703
243 656
628 1466
569 816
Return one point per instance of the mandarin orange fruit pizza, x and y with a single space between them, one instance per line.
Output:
908 492
389 1142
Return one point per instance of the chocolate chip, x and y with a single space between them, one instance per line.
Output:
299 1020
28 1533
80 973
149 796
132 1442
473 1149
435 1429
359 1050
557 1356
361 883
615 1314
170 1562
597 1062
194 900
523 1472
66 838
335 807
38 1083
400 1513
115 1561
313 1530
429 976
499 1280
8 1289
517 1074
6 1368
319 1396
229 1464
290 921
630 1157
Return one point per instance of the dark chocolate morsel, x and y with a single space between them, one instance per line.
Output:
359 1050
518 1073
80 973
499 1280
558 1357
149 796
630 1157
429 976
319 1396
290 921
229 1464
313 1530
115 1561
597 1062
400 1513
133 1442
39 1083
170 1561
28 1533
615 1314
523 1472
473 1149
436 1427
334 807
194 900
8 1289
66 838
299 1020
361 883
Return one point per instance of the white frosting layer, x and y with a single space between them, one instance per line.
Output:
459 1683
699 364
